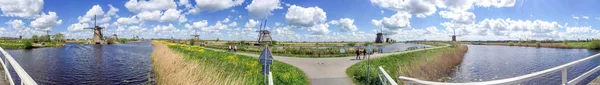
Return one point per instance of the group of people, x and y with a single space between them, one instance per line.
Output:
359 51
232 48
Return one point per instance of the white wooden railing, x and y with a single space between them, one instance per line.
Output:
519 79
385 78
25 78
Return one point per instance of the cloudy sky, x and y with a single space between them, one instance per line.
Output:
307 20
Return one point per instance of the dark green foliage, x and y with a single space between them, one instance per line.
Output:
351 44
595 44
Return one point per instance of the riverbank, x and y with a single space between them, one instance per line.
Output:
182 64
26 44
433 65
594 44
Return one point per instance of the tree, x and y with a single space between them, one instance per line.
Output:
59 37
217 39
565 42
35 38
273 42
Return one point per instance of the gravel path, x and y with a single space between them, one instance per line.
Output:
326 71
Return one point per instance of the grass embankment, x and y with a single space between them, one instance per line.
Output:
304 52
182 64
433 65
26 44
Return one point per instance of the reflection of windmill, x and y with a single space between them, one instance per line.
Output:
97 38
196 36
454 35
264 36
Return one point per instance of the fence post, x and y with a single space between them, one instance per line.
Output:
564 76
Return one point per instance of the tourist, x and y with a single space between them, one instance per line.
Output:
364 54
232 48
358 53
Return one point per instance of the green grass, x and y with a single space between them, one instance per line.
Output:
358 72
5 44
242 66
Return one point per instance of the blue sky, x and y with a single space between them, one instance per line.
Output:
309 20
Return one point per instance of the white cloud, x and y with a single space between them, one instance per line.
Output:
345 24
170 15
149 15
96 10
136 6
112 10
165 30
77 27
575 17
185 3
459 17
585 17
263 8
421 8
197 25
496 3
126 21
21 8
215 28
581 30
19 26
226 20
214 5
251 24
397 21
319 29
307 17
46 21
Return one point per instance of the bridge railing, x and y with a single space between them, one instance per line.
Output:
519 79
385 78
7 59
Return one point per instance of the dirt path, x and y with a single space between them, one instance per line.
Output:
326 71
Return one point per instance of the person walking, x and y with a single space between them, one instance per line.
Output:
358 53
364 54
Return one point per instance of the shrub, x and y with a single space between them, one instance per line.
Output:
511 44
537 44
351 44
565 42
595 45
28 44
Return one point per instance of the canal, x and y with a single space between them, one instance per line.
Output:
128 63
485 63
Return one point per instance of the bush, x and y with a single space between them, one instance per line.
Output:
565 42
595 45
351 44
537 44
511 44
28 44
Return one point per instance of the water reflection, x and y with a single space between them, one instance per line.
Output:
128 63
484 63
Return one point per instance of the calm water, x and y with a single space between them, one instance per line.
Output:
484 63
128 63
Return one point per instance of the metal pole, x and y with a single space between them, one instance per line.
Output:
368 71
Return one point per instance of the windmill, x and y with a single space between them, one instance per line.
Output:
97 38
379 38
454 35
264 36
196 36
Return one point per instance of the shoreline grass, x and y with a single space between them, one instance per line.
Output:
302 52
240 69
434 65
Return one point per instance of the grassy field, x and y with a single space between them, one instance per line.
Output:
244 69
433 65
